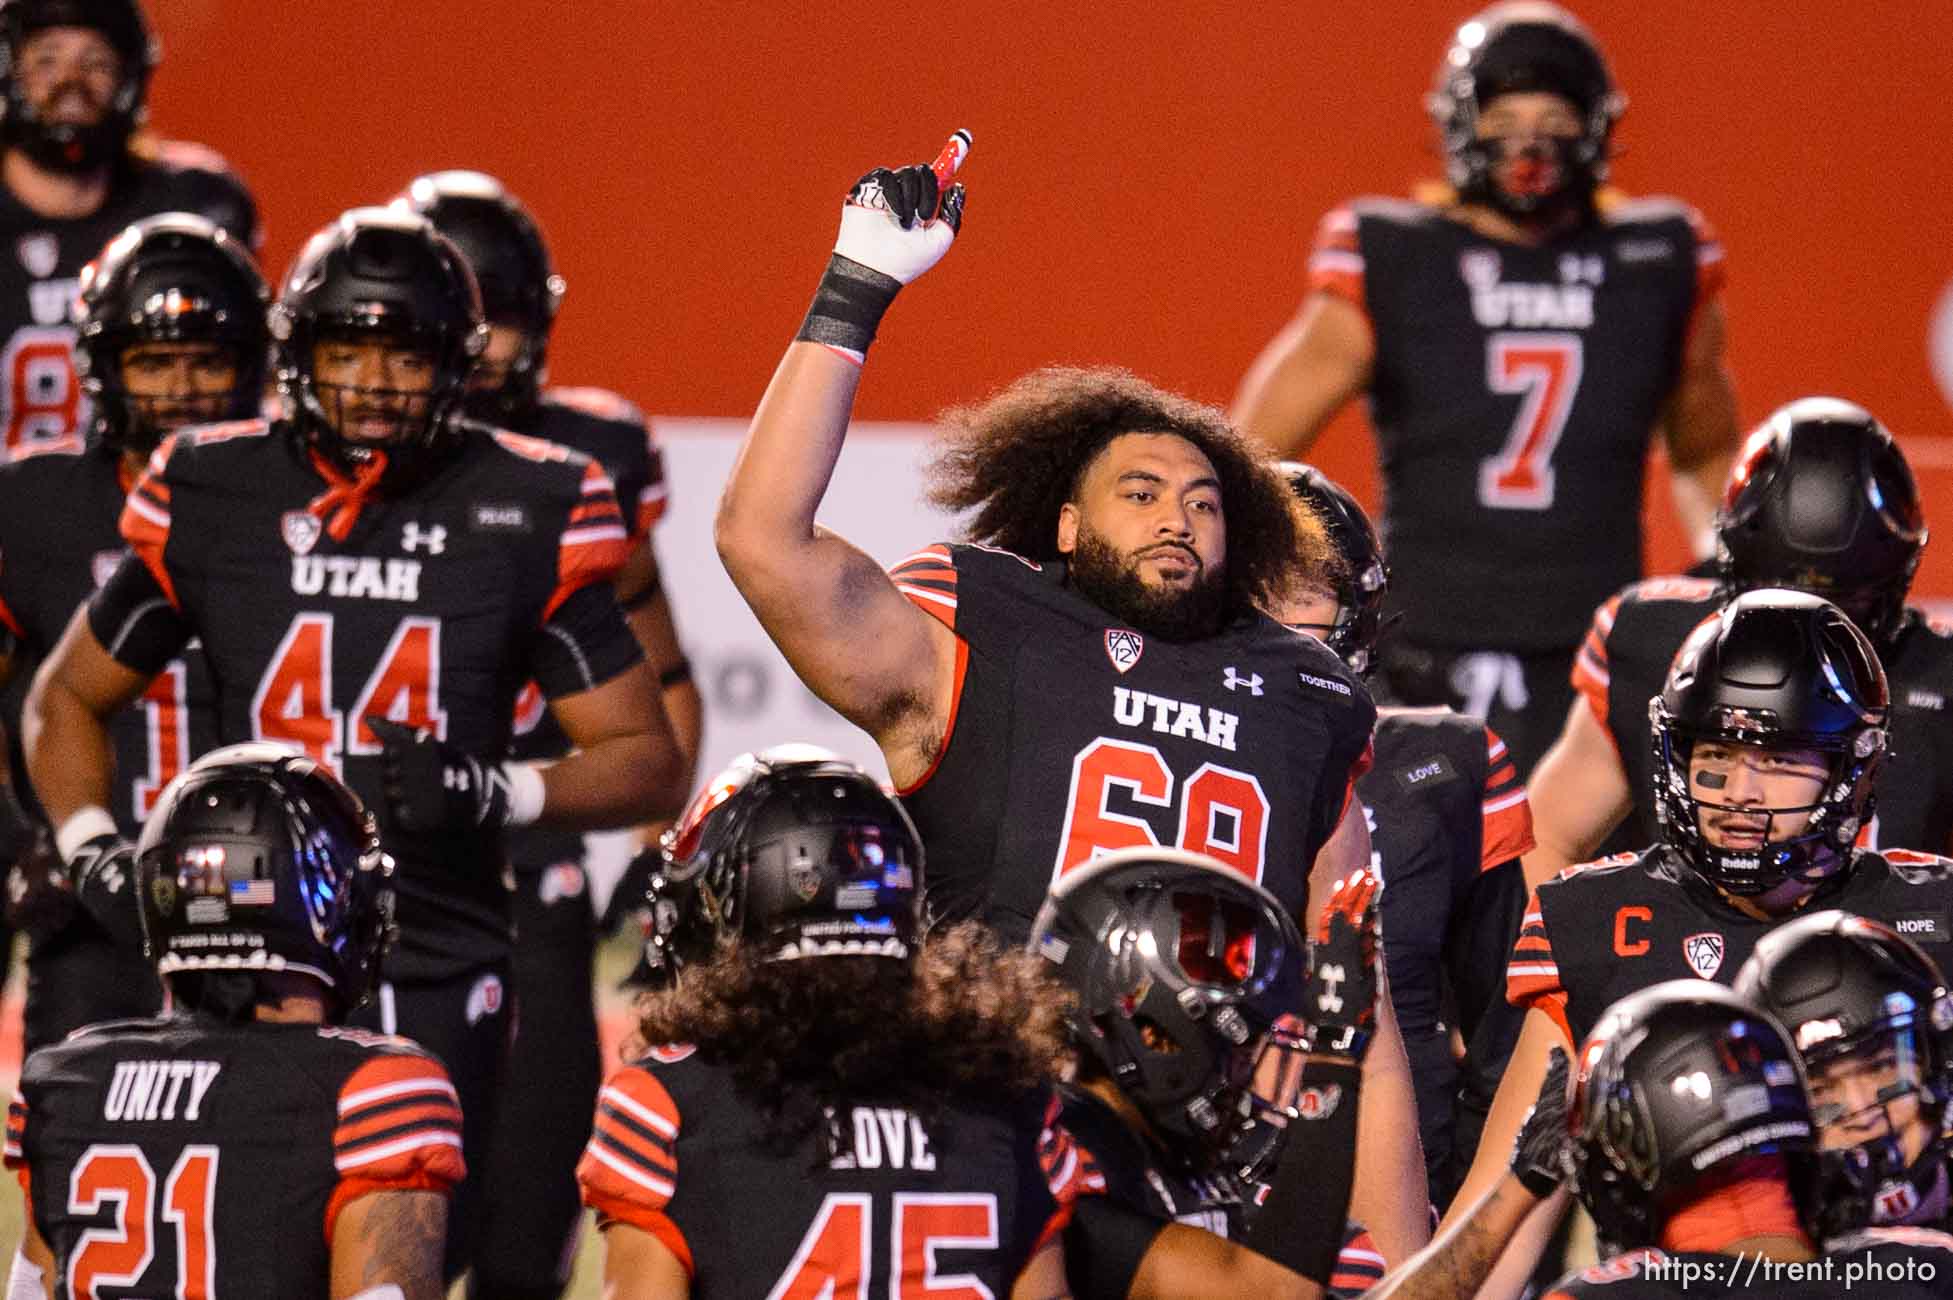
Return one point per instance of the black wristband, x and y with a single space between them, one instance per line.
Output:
1300 1225
848 305
676 675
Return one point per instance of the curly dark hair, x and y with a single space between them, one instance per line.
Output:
1018 457
967 1019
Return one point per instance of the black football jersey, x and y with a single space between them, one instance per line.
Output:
40 273
615 434
1514 392
1635 634
440 602
1073 736
58 542
1890 1263
878 1201
180 1156
1598 932
1448 820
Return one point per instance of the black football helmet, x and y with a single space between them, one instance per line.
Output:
1675 1084
519 287
1182 973
1520 46
256 858
1363 579
1852 990
1822 500
378 274
173 278
793 850
1781 668
68 146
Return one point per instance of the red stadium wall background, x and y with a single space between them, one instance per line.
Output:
1144 186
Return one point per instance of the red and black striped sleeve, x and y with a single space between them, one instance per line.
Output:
1591 669
654 497
1508 818
928 578
16 1152
1532 974
1359 1265
629 1170
1069 1173
1336 261
399 1129
145 522
594 543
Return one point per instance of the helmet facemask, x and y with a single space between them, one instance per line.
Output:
1185 1018
1870 1095
1522 49
1844 804
75 147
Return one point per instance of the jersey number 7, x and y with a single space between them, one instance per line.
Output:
1544 370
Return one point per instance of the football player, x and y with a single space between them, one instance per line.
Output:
1448 821
1873 1020
1692 1147
1191 1074
1519 332
74 75
1771 729
870 1104
532 1211
817 1077
373 578
172 332
1822 501
243 1143
1092 671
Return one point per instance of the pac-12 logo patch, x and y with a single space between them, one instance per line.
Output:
1704 952
1123 648
300 529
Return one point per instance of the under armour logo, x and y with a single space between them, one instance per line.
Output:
435 539
1332 978
1252 681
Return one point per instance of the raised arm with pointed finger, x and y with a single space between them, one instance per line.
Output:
854 638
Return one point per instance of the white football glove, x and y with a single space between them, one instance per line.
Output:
900 222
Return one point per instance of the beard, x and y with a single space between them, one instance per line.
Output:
1112 582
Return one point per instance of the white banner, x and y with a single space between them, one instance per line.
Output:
752 698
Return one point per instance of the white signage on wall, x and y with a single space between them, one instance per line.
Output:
752 698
